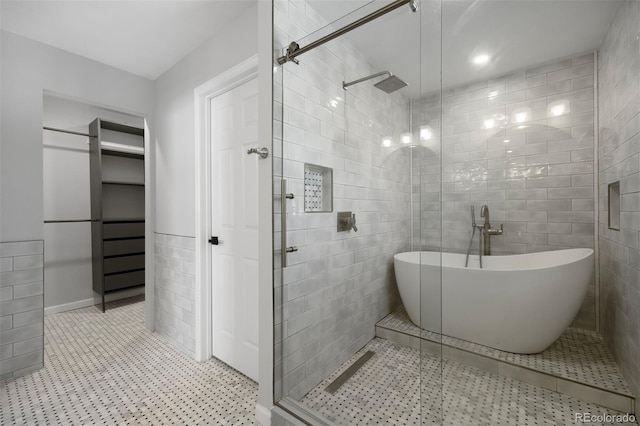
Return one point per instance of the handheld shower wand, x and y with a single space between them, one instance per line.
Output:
473 233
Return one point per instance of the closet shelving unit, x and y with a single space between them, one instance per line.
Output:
117 206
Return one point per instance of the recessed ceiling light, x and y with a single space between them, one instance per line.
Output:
489 123
507 140
386 142
425 133
481 59
406 138
521 117
558 109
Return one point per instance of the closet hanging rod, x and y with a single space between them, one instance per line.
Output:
72 221
53 129
295 50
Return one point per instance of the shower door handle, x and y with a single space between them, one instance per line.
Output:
262 152
284 196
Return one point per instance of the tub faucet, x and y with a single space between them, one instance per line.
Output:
487 230
484 212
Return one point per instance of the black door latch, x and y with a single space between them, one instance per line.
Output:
214 240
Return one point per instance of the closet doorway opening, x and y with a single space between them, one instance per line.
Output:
96 206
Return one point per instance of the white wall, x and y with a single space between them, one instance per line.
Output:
176 173
175 122
28 69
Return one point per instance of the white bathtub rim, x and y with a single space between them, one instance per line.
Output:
586 253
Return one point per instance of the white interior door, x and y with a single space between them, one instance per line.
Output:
234 220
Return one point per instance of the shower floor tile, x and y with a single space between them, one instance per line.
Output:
578 355
107 369
388 390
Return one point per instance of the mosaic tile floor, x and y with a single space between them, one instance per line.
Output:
386 390
578 355
106 369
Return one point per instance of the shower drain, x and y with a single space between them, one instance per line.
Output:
346 375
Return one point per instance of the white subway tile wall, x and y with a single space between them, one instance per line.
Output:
619 144
175 290
21 308
522 144
337 285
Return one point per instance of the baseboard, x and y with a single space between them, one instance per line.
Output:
263 415
84 303
78 304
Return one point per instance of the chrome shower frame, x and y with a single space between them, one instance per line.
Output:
295 49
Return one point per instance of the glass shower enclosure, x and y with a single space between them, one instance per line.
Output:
416 142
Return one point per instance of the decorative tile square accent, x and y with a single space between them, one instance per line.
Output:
318 188
106 369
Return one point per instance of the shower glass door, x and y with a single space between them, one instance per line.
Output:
359 181
517 185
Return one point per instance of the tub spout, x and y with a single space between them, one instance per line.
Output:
484 212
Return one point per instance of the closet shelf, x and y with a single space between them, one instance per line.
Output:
110 274
131 220
137 237
122 154
118 205
113 182
114 256
119 147
118 289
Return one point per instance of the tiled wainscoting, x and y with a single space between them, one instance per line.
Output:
21 307
175 290
577 364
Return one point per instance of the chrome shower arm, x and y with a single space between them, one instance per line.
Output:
369 77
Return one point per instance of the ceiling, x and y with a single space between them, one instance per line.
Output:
439 42
147 37
142 37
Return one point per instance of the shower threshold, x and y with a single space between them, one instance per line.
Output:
577 364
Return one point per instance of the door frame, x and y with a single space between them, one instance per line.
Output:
228 80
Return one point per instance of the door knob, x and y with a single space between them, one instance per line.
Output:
214 240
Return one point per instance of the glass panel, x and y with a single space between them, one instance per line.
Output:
518 117
427 208
347 350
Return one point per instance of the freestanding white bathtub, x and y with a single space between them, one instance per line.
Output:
518 303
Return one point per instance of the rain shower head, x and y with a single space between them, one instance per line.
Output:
388 85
